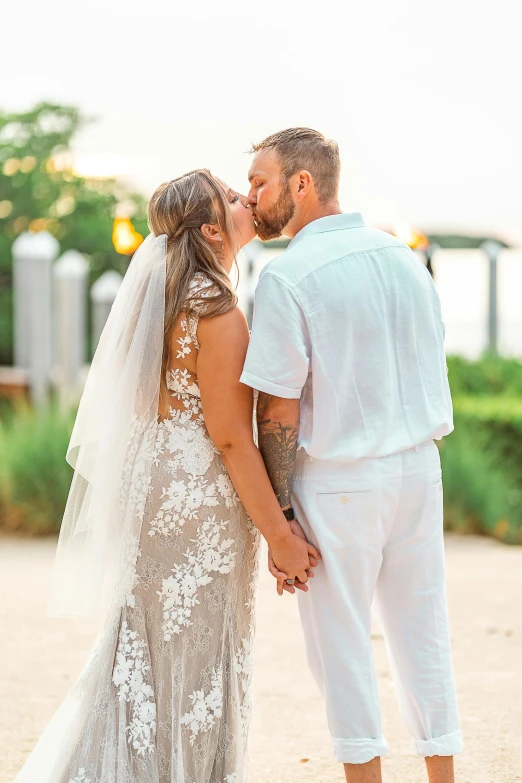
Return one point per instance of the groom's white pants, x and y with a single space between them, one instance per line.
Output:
378 526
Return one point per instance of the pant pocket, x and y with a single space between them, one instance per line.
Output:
345 515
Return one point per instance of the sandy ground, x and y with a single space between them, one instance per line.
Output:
40 658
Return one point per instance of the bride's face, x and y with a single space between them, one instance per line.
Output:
242 217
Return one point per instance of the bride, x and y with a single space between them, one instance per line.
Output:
161 529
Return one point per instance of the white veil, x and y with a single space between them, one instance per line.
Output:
117 418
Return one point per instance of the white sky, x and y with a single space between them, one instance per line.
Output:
422 97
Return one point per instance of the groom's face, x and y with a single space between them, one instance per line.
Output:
270 197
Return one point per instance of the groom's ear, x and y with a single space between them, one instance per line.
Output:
304 184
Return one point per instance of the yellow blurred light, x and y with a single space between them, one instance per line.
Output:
6 208
410 236
40 224
11 166
125 238
62 161
63 206
20 224
27 164
53 226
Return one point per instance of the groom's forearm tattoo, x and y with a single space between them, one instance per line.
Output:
278 446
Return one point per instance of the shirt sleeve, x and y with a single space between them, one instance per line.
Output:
278 356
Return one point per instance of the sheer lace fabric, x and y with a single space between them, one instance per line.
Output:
166 694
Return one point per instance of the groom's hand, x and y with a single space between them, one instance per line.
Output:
313 555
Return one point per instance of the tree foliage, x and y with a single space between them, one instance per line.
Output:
39 190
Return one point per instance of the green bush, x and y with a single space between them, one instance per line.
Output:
34 476
482 458
490 375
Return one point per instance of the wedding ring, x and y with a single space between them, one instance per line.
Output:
290 581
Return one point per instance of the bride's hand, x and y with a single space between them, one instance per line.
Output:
290 554
281 584
282 575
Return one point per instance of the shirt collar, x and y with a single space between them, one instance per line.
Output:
330 223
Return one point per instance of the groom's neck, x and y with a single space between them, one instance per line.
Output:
308 213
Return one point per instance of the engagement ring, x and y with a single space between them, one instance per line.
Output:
290 581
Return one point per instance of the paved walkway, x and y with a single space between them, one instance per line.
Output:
40 658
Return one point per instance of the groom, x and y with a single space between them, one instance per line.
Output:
347 353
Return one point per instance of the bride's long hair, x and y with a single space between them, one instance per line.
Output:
178 209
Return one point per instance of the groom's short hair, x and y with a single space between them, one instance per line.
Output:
304 148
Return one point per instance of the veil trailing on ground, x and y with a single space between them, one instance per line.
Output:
117 418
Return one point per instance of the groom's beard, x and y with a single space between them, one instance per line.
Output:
271 223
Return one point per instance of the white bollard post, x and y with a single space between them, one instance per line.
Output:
33 255
492 248
70 274
103 294
247 282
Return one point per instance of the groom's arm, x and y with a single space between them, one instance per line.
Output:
278 428
277 365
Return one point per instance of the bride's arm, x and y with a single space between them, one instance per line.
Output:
228 409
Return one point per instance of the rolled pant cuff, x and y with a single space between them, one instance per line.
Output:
447 745
358 751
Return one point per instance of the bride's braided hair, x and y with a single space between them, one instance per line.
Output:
178 209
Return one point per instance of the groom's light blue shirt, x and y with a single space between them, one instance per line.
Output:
347 319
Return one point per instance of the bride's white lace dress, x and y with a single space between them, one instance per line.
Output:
166 695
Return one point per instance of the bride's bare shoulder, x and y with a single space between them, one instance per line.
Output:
225 329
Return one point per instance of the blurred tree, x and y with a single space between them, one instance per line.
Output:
39 190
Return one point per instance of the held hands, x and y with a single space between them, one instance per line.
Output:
293 559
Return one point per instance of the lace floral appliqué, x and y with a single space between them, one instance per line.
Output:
205 709
243 668
129 677
179 592
81 777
